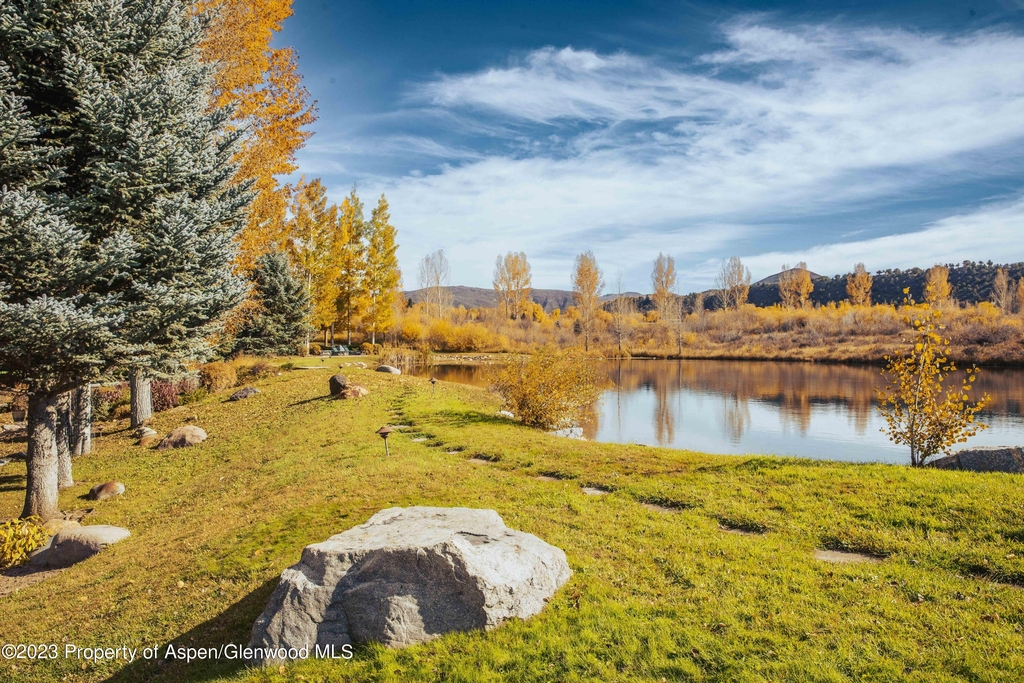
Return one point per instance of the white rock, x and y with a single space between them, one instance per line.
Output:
389 368
409 575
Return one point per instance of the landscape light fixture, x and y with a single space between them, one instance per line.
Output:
433 385
384 432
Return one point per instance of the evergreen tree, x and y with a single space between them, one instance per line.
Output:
282 308
120 96
382 274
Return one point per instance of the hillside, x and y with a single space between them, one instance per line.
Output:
478 297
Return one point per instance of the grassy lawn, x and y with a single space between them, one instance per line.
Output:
655 595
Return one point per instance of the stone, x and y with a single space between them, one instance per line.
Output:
55 526
389 368
594 491
75 544
505 413
106 491
182 437
407 576
243 393
14 427
984 459
338 383
4 461
354 391
144 431
844 557
148 441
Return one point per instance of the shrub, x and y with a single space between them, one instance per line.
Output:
288 366
369 349
549 389
315 349
192 395
217 376
257 370
18 538
106 400
165 395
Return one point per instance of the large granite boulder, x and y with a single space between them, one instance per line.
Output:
409 575
984 459
389 369
75 544
183 437
338 383
106 491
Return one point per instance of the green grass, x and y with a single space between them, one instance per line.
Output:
654 595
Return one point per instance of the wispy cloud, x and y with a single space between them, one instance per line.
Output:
630 155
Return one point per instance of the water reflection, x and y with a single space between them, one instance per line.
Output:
821 411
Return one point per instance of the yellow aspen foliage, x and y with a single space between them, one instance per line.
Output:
382 275
936 285
1019 296
587 284
663 280
311 246
264 85
919 410
795 285
858 286
549 389
513 283
351 261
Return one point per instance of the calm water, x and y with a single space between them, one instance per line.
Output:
814 411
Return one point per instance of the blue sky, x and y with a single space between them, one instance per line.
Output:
825 132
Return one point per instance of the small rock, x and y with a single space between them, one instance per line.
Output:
4 461
354 391
389 368
106 491
78 543
143 431
505 413
14 427
338 383
149 440
182 437
242 393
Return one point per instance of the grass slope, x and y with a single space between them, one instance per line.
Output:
655 595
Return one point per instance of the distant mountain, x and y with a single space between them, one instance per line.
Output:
478 297
774 279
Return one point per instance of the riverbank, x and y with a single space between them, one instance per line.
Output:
665 585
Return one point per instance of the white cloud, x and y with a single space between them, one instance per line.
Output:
631 155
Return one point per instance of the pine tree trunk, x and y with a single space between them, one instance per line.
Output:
141 399
41 482
81 420
63 437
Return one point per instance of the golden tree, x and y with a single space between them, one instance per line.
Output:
1019 296
1002 294
919 411
732 284
311 246
382 274
623 308
587 284
351 251
858 286
512 283
264 85
795 285
549 389
435 279
663 281
936 285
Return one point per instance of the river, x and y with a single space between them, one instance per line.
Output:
803 409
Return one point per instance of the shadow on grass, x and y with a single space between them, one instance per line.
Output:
233 625
312 400
12 482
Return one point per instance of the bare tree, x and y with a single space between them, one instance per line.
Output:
1002 294
587 284
512 282
622 309
732 283
663 280
435 279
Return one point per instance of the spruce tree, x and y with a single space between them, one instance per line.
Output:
282 309
117 93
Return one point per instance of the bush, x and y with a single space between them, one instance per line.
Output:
369 349
165 395
254 371
550 389
217 376
18 538
315 349
192 395
288 366
106 400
